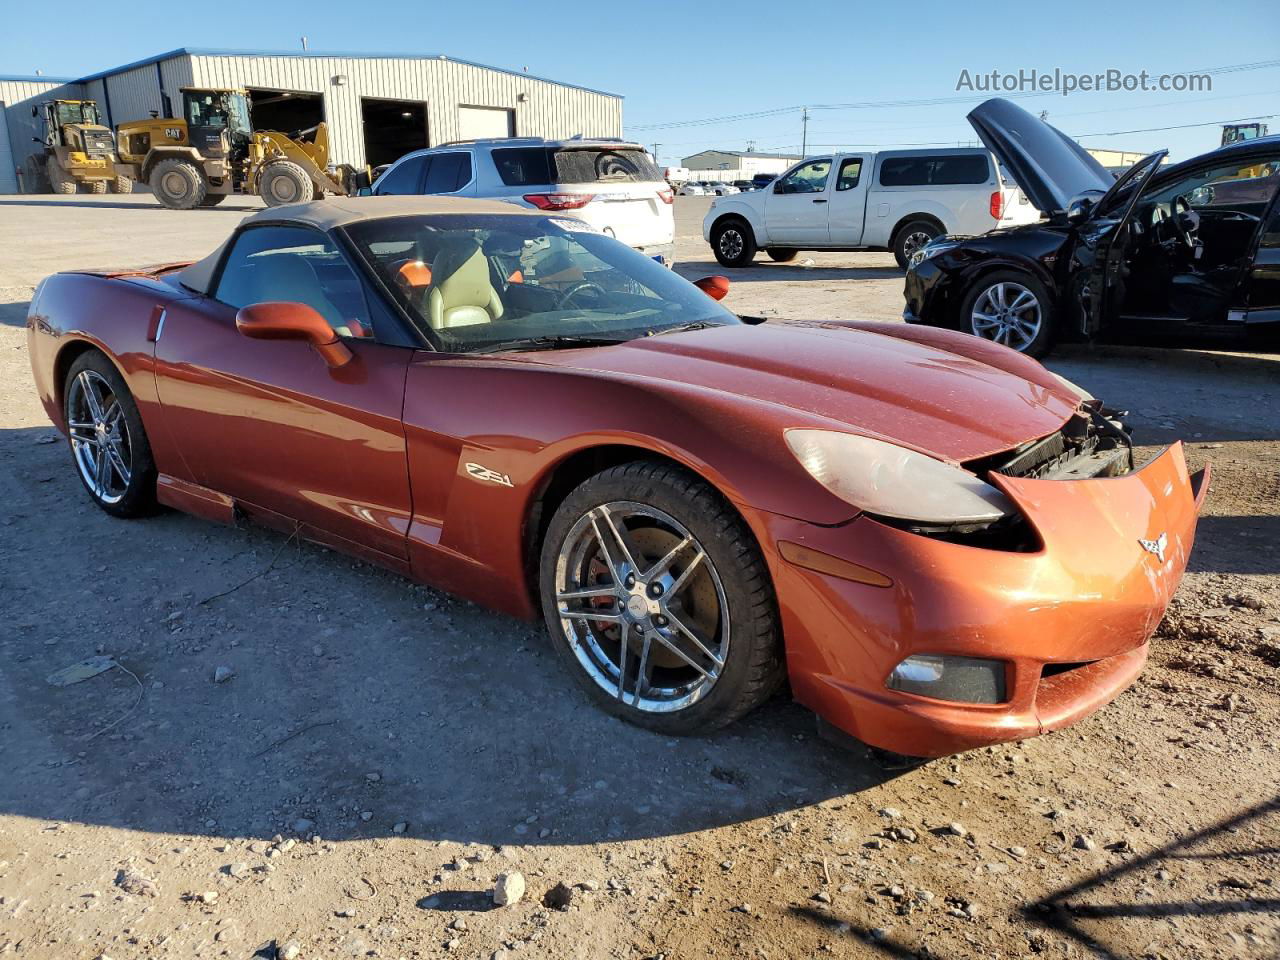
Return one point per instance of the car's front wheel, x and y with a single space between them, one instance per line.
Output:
733 243
108 444
1011 308
782 254
658 600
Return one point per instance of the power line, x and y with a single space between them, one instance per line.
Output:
922 102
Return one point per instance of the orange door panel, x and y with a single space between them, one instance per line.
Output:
269 423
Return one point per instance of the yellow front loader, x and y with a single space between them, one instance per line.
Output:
213 151
78 149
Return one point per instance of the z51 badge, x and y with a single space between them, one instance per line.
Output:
484 473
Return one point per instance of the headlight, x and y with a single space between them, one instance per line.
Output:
891 481
932 249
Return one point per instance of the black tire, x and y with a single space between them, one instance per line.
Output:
782 254
909 238
138 497
122 185
178 184
753 666
59 182
282 181
733 243
1042 341
213 199
98 186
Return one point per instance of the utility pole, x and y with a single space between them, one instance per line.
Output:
804 136
655 152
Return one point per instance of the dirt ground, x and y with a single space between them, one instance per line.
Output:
383 752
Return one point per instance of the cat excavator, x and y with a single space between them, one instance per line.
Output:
212 152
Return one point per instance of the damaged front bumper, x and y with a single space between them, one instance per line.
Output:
1069 620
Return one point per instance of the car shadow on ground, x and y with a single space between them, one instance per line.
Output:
761 272
1122 903
357 702
14 314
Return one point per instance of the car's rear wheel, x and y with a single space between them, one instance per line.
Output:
108 443
658 600
782 254
733 243
911 238
1010 308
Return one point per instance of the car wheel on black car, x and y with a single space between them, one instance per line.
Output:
108 444
733 243
658 600
1010 308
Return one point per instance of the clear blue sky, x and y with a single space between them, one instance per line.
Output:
673 64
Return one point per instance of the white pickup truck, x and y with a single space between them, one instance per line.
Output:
896 200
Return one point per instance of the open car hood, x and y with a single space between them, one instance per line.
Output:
1049 166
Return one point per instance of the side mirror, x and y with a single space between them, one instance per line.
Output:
292 321
714 287
1078 210
778 187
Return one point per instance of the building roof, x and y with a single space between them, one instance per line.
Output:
17 78
321 55
751 153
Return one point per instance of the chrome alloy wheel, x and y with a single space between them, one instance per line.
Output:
731 243
642 606
914 244
99 435
1008 313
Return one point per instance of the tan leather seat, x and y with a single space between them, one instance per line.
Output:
462 294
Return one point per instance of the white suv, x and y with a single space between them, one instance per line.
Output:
612 185
898 200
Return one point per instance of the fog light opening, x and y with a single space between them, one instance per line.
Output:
959 679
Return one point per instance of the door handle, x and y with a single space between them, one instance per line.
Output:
819 201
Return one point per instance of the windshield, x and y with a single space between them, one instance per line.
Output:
83 112
517 282
217 110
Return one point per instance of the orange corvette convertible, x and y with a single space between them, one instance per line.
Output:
934 541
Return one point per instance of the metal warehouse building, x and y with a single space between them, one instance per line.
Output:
377 106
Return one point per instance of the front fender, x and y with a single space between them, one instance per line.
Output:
735 205
518 422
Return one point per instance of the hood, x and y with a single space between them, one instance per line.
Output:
914 394
1049 166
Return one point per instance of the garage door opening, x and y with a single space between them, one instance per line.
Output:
392 128
286 111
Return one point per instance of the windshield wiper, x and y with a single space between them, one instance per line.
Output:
683 327
557 342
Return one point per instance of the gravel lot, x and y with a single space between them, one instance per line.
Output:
383 753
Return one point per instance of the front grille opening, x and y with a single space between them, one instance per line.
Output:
1057 669
1012 534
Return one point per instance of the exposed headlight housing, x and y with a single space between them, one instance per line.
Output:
891 481
961 679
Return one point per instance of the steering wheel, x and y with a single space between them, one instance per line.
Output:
577 288
1185 221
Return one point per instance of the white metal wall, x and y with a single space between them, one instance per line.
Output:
549 110
8 169
18 97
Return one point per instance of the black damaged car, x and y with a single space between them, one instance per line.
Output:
1158 250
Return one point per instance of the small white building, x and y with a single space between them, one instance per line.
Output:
378 106
729 165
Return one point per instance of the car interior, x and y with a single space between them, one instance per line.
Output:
1189 242
468 286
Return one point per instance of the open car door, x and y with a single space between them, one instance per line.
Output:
1104 240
